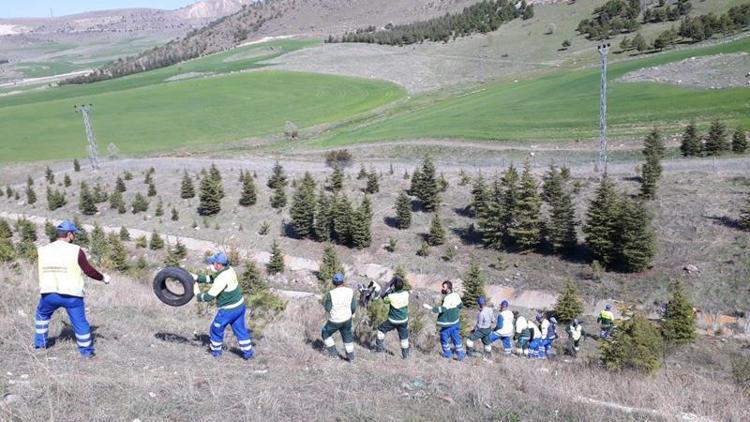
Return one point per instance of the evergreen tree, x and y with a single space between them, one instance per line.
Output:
428 186
8 192
362 172
337 179
436 236
151 189
636 345
276 264
527 227
415 187
120 185
601 226
159 208
187 190
140 204
552 188
342 215
480 198
443 183
116 202
691 143
210 196
361 225
66 181
323 219
473 285
171 259
156 242
76 165
82 238
716 140
277 177
651 171
249 196
98 244
330 264
278 199
124 234
569 305
372 183
49 175
739 141
636 240
118 254
50 230
302 210
403 211
500 220
86 200
5 231
55 199
639 43
745 216
175 215
100 194
181 252
30 195
215 175
251 281
678 327
561 231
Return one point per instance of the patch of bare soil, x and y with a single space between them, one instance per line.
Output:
713 72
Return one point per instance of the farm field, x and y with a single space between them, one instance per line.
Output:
559 105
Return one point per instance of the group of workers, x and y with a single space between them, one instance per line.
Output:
62 265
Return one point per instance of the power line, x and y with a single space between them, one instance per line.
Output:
601 165
93 150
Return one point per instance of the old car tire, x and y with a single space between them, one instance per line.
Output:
168 296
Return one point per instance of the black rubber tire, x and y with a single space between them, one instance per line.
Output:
169 297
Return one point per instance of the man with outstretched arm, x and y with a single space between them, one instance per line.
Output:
62 265
449 321
226 291
398 317
340 306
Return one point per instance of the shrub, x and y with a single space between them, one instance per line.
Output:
156 242
741 372
678 327
266 306
7 252
473 285
339 158
276 264
569 306
636 345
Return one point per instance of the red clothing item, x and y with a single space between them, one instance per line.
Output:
87 268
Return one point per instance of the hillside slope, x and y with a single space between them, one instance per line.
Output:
152 364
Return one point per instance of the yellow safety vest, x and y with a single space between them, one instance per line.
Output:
59 271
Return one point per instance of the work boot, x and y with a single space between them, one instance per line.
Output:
332 352
470 353
405 353
379 347
460 355
350 356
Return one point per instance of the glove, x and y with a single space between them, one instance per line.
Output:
195 276
196 289
107 279
427 306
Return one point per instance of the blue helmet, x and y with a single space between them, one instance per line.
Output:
338 279
553 320
504 304
218 258
481 301
575 322
539 316
608 307
67 226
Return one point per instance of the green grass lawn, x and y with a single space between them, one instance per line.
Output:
559 105
164 116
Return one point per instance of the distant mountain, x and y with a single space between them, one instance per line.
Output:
211 9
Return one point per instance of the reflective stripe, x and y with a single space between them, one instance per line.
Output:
215 347
405 344
234 305
349 347
246 348
398 321
83 337
448 324
381 335
487 348
41 322
216 343
244 342
84 344
329 342
469 343
42 330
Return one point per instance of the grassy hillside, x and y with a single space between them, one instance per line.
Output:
143 113
561 105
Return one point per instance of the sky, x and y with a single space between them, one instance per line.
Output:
41 8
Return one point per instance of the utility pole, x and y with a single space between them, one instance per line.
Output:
92 148
601 165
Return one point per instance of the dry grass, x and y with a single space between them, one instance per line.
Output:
150 367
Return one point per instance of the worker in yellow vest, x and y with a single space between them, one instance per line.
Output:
606 321
62 265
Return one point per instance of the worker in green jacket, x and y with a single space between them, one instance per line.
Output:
449 321
340 306
398 317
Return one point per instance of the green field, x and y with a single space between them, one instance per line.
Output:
558 105
143 113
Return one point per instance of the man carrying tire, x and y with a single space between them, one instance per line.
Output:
340 306
61 268
226 291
